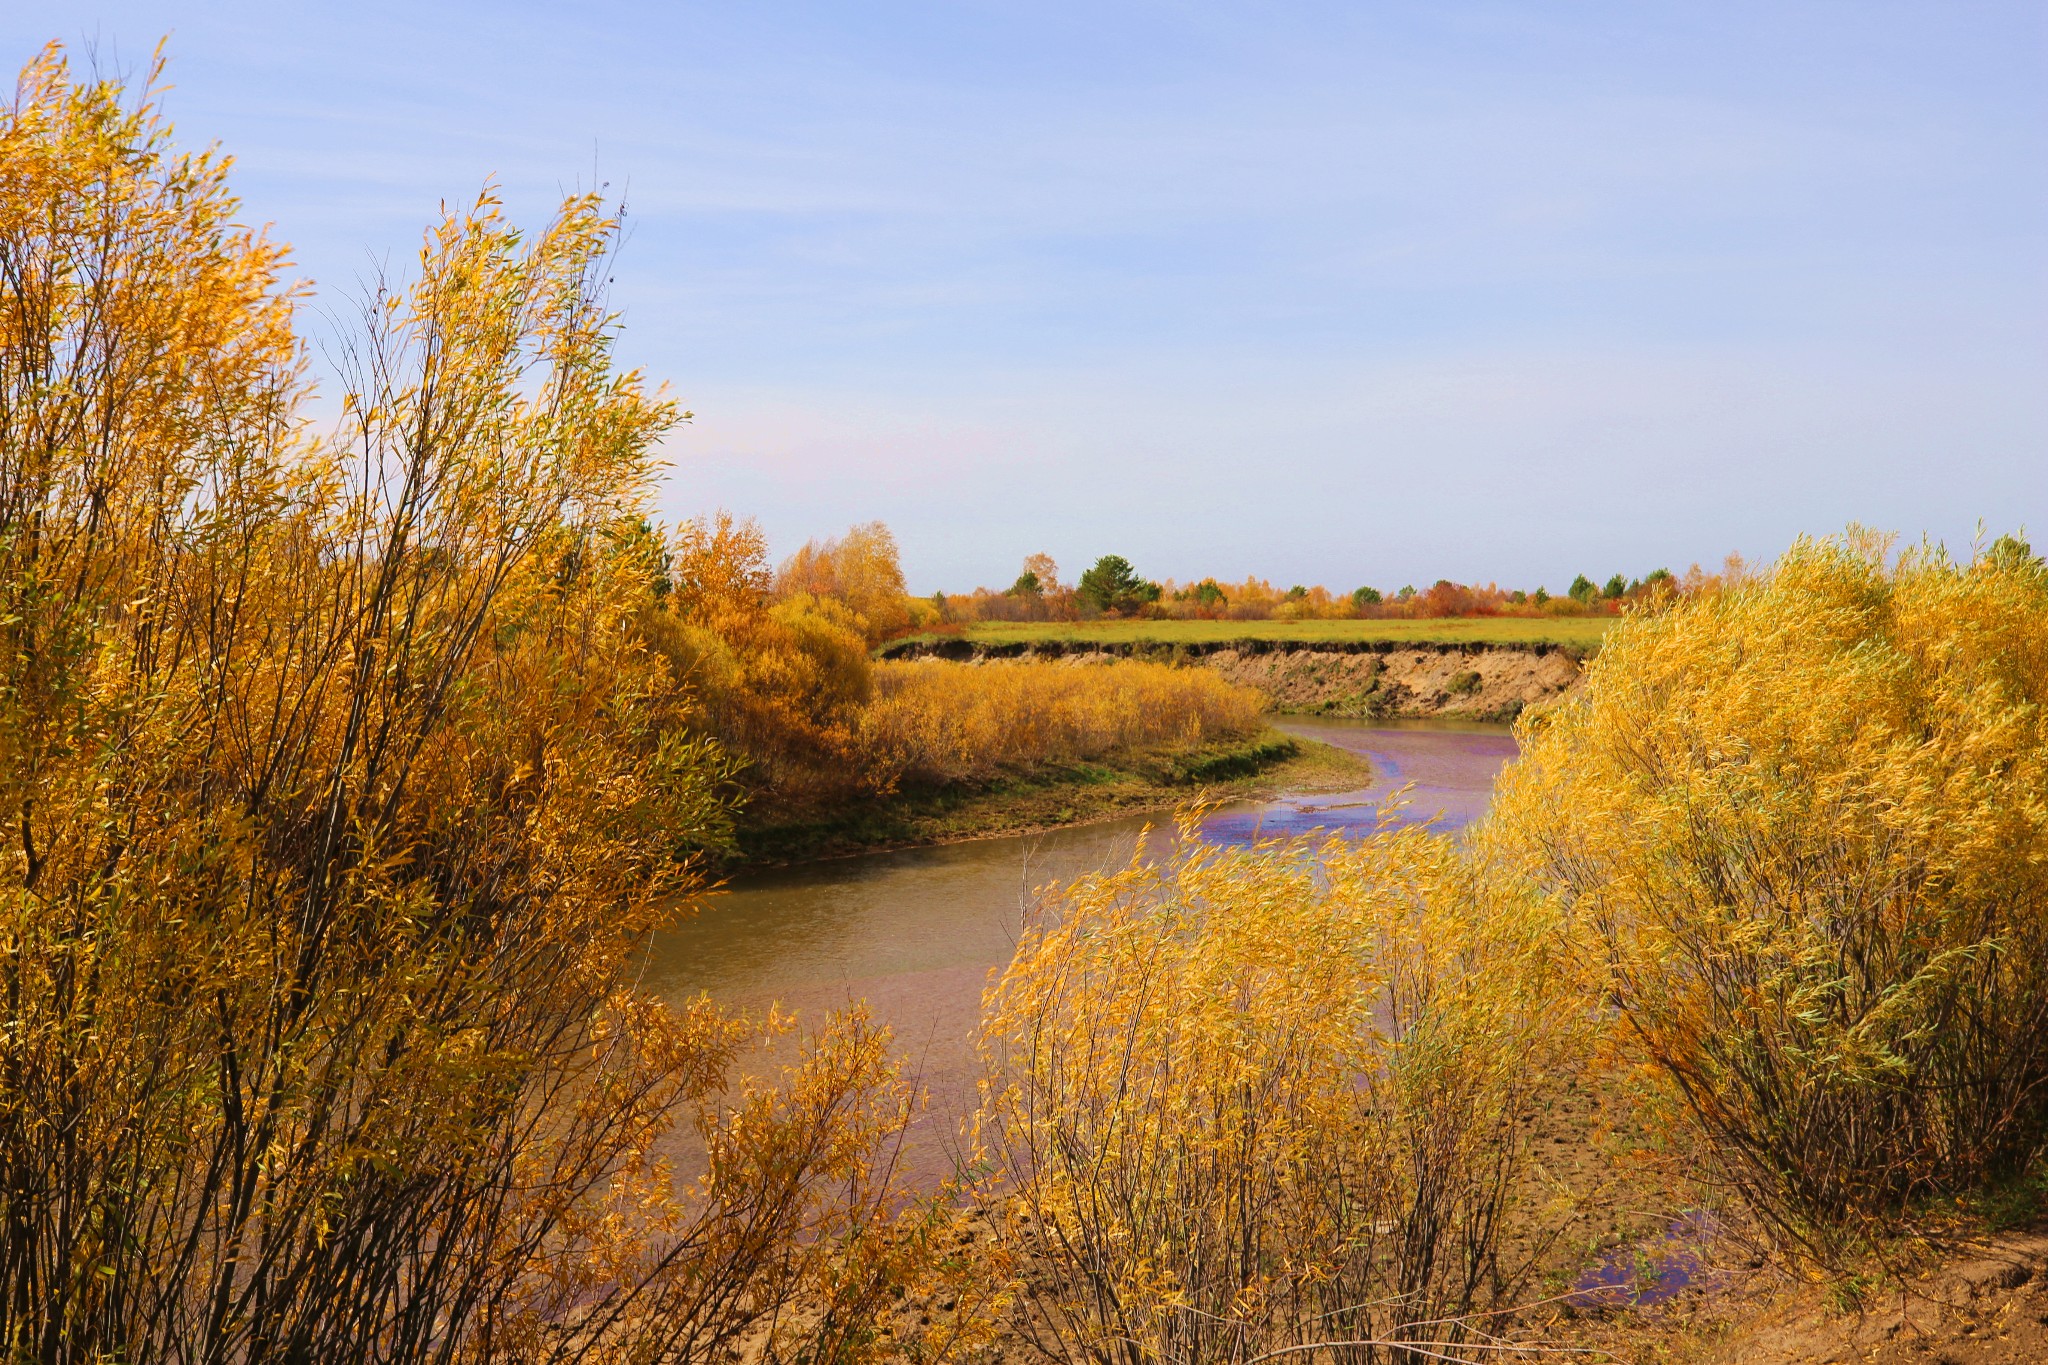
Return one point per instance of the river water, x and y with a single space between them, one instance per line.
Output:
918 932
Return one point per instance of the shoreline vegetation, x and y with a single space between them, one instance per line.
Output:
1113 589
1158 782
350 769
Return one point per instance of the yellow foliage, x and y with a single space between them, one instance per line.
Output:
1800 828
935 722
342 792
778 683
859 569
828 633
1248 1099
720 566
787 684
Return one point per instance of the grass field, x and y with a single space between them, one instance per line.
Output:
1583 631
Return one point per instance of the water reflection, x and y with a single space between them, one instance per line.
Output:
1447 766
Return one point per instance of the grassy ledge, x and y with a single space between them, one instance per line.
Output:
1582 631
1257 766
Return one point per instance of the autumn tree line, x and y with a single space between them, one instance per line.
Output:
862 573
349 767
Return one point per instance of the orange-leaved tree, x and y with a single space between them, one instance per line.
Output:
860 569
780 684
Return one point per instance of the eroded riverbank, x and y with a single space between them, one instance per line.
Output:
1356 679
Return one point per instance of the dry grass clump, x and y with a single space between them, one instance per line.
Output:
1248 1100
933 722
1799 831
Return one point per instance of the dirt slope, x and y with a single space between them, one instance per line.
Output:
1988 1306
1354 678
1494 683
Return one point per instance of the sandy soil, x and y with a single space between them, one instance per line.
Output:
1987 1304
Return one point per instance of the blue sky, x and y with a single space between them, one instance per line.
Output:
1357 293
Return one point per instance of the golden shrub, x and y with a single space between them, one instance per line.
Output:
780 684
1800 828
1248 1099
859 569
341 794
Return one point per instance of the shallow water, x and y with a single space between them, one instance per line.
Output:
1446 767
917 933
1656 1269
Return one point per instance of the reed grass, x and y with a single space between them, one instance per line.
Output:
932 723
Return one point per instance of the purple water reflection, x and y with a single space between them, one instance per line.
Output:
1448 766
1654 1270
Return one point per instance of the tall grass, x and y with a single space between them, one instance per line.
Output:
935 723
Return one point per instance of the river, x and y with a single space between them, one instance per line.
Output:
917 932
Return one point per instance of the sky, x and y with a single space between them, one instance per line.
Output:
1356 293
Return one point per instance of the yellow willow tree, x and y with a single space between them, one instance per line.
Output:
338 793
1800 828
1262 1103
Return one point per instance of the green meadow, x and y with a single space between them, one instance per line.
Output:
1581 631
